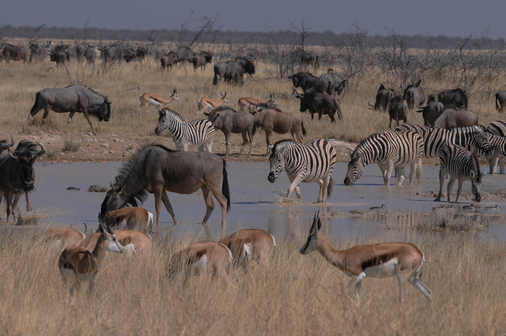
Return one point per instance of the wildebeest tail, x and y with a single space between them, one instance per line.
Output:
497 102
37 105
225 189
476 168
465 99
303 128
329 188
215 78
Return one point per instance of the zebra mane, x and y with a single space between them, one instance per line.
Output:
174 114
280 145
362 147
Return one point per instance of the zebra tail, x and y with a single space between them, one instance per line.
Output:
497 103
303 129
329 188
225 189
476 166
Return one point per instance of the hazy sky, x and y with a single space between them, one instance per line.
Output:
448 17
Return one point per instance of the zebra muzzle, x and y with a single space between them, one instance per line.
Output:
271 177
347 181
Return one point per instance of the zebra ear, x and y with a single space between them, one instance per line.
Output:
271 147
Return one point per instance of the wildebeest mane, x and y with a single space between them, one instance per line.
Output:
132 173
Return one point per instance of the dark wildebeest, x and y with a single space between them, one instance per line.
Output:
38 52
431 111
157 169
230 121
500 98
414 95
301 56
383 96
456 98
167 61
334 82
308 81
184 54
280 122
319 102
73 98
60 54
201 59
233 70
397 110
451 118
17 175
11 52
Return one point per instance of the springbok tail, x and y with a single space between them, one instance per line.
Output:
273 240
150 220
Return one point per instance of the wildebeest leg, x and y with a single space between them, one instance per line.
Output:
71 115
222 200
267 140
208 198
27 198
46 112
227 144
85 112
168 206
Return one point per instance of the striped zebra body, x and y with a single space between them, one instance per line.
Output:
310 162
496 157
434 138
196 132
389 150
460 164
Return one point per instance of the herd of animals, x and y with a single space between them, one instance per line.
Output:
450 133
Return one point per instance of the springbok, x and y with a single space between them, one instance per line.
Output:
214 257
134 242
135 218
60 238
154 99
77 264
209 104
246 104
250 244
375 260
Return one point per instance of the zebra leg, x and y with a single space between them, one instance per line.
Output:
476 191
418 171
442 177
501 164
459 188
492 162
298 193
450 186
295 183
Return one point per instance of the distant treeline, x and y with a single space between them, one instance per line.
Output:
326 38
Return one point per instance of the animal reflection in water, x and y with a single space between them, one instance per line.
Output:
157 169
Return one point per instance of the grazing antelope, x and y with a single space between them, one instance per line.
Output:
214 257
135 218
250 243
60 238
154 99
209 104
246 104
77 264
132 241
376 260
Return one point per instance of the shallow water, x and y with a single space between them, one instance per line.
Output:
258 203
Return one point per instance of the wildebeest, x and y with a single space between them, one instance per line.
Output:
301 56
90 53
38 51
12 52
184 54
308 81
500 98
157 169
383 96
233 70
451 118
414 95
168 60
201 59
319 102
334 82
73 98
280 122
230 121
431 111
17 175
397 110
456 98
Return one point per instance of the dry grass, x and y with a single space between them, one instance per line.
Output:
124 83
295 295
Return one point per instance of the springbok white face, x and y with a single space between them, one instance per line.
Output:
277 164
312 238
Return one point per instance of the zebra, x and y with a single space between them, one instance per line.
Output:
310 162
196 132
433 138
496 128
460 164
389 150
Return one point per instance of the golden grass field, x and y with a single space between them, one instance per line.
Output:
294 295
124 83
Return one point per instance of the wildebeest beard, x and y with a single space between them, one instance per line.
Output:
101 111
27 177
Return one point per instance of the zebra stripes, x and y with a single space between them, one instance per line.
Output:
497 128
497 141
461 165
388 150
310 162
434 138
196 132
